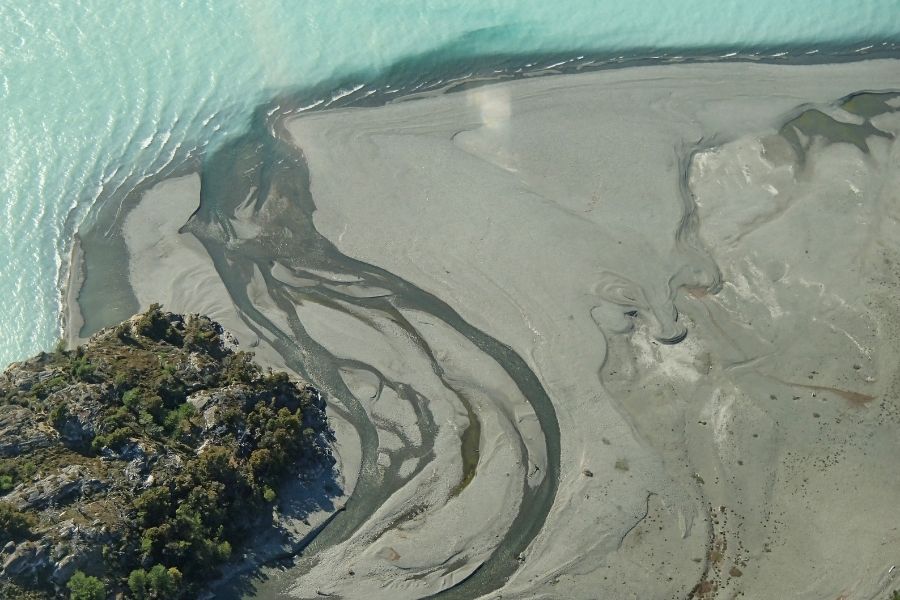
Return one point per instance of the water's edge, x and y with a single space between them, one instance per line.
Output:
418 77
103 295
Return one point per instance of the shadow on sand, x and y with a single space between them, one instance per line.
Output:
305 505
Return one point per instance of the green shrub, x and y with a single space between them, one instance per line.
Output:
121 379
45 388
178 418
200 334
154 325
14 524
159 583
240 368
137 583
164 583
58 415
82 369
112 440
85 587
153 506
131 399
13 471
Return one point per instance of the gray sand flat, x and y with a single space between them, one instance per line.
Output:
546 211
707 295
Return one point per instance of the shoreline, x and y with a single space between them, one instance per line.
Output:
478 71
311 100
500 299
71 318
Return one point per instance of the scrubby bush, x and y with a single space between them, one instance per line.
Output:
132 399
85 587
240 368
14 524
158 583
113 440
202 334
13 471
45 388
153 505
138 584
152 323
82 369
58 415
178 420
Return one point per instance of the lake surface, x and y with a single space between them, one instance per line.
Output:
97 98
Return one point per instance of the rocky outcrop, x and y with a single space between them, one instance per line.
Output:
20 431
84 408
143 448
55 490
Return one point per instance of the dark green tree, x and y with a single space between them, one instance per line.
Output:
85 587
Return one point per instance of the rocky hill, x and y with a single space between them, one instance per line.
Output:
134 465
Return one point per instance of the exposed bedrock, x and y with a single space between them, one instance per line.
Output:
620 334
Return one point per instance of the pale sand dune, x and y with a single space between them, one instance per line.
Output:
569 218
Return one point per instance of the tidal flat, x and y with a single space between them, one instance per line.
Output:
621 334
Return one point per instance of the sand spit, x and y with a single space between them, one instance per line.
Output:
72 320
662 298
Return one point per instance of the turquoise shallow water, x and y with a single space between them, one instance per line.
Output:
97 96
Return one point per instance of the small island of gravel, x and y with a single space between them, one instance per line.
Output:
136 464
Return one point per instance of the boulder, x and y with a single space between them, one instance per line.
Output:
29 558
64 568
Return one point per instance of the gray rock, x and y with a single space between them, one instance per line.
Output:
197 372
66 529
64 569
83 410
135 471
25 375
130 451
27 559
68 484
20 432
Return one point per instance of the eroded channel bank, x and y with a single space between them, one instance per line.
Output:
513 255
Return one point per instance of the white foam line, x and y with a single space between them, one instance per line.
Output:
345 93
311 106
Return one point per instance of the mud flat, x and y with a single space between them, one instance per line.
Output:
630 333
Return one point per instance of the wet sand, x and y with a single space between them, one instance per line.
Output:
661 298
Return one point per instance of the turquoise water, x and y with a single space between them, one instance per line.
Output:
97 96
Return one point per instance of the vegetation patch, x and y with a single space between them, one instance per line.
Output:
134 465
